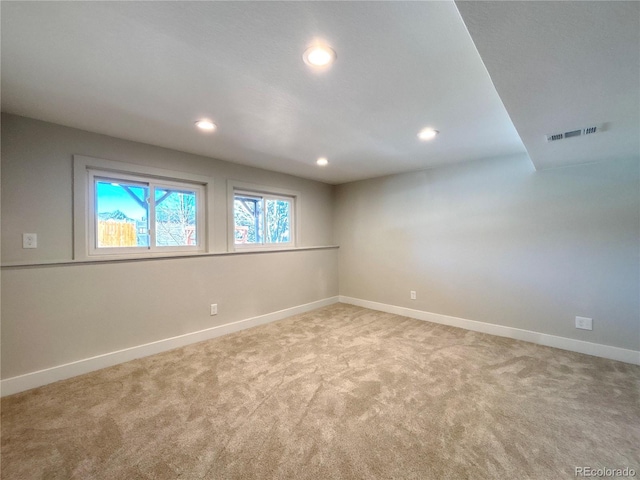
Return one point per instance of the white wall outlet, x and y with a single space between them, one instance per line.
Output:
29 240
584 323
214 309
412 293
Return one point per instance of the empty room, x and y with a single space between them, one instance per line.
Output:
320 240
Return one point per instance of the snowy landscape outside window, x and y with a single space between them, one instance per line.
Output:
262 219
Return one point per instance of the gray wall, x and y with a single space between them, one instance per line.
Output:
56 314
491 240
37 186
497 242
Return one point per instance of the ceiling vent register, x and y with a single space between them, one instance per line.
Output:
553 137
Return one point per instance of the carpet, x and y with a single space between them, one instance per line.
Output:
341 392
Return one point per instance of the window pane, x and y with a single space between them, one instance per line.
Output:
122 218
248 215
176 214
278 214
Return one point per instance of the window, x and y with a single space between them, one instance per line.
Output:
262 217
140 211
132 214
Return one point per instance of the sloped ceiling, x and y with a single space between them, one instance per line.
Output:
146 71
563 66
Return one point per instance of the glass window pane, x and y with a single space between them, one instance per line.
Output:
122 214
248 219
176 217
278 215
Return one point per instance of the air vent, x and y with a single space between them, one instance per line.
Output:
574 133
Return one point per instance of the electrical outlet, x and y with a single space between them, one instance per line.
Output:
214 309
584 323
29 240
413 294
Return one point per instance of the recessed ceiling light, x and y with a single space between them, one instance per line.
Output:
206 125
322 162
427 134
319 56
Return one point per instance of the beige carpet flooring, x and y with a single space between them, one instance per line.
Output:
338 393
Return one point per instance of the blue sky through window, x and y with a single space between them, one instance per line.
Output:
112 197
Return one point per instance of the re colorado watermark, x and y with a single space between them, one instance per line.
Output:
604 472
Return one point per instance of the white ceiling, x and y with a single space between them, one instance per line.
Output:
146 71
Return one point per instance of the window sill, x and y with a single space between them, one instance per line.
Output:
261 248
174 256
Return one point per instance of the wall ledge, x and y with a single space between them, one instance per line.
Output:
98 261
563 343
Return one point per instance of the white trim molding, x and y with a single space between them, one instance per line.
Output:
39 378
563 343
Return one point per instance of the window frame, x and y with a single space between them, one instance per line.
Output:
264 192
88 169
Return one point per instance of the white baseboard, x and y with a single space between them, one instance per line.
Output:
27 381
595 349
